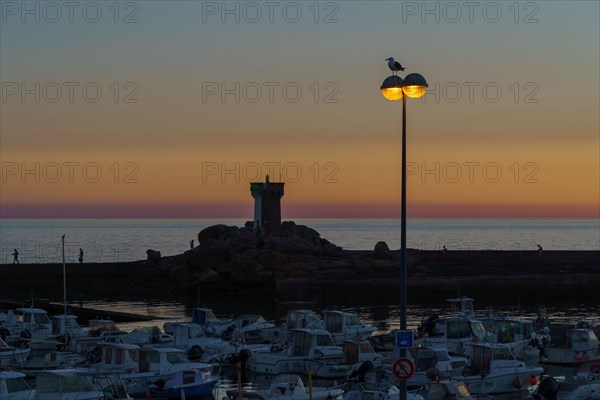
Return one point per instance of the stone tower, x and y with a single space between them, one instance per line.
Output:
267 206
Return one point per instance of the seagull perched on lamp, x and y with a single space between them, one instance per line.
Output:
394 65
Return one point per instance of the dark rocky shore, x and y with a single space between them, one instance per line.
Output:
301 265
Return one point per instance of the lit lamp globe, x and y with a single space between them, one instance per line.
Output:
414 85
391 88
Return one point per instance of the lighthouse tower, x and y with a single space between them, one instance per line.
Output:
267 206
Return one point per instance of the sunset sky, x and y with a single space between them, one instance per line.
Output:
171 108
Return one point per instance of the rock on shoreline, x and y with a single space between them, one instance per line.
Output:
236 261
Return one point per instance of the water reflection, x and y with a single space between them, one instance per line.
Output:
384 317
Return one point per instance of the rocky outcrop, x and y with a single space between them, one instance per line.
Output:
153 256
382 251
232 258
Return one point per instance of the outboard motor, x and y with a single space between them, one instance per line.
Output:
195 353
362 371
547 389
433 374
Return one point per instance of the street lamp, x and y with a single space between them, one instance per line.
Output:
395 88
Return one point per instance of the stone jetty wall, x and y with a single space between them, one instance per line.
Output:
300 264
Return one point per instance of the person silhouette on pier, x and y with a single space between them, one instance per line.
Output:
16 257
539 250
80 255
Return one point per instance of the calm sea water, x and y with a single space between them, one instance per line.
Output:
111 240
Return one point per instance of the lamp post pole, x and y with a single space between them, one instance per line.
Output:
393 88
402 387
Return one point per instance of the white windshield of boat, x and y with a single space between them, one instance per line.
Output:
503 353
442 355
69 383
210 315
177 358
352 320
366 348
16 385
324 340
41 318
195 332
458 330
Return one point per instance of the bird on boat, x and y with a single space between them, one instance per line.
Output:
394 65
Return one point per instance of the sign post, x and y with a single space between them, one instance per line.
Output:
403 369
405 339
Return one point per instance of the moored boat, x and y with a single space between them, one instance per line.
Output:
13 357
14 387
572 347
494 363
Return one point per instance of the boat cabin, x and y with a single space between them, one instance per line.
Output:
462 306
65 384
97 326
306 341
118 356
513 330
62 324
483 355
206 316
302 319
580 340
345 325
14 386
152 359
455 328
426 358
28 322
355 351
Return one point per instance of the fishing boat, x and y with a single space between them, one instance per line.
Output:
520 335
588 372
163 367
247 328
572 346
494 363
590 391
431 364
294 319
286 387
355 353
345 325
14 387
456 332
307 345
26 324
76 384
12 357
